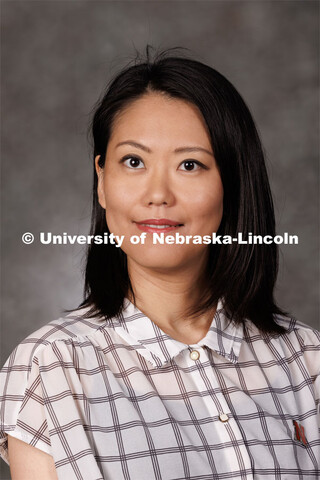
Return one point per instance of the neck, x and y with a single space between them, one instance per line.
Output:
165 297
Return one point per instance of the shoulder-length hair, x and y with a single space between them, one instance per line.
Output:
243 276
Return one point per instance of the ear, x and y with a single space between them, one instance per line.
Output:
100 188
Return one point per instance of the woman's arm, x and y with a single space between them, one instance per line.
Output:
29 463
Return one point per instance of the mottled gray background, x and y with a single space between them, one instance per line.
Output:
56 59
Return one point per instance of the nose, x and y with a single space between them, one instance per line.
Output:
158 189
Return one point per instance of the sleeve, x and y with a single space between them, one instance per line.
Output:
309 340
43 404
22 410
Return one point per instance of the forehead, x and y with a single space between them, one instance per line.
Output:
157 116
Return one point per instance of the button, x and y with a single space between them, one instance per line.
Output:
223 417
194 354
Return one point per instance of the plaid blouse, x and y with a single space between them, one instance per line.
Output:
120 399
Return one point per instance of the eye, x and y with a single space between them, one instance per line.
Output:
132 162
191 165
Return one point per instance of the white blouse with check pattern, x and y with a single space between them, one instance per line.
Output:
120 399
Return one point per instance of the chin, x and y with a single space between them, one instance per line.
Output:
165 258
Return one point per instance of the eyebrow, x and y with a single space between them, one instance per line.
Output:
177 150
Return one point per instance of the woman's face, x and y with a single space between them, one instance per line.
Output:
160 166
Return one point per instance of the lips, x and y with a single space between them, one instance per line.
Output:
159 221
158 224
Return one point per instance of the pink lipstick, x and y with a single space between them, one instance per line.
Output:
156 225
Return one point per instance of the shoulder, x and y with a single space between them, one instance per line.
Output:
294 328
307 335
302 340
298 338
296 352
74 327
35 371
298 346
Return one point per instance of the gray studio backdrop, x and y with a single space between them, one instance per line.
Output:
57 57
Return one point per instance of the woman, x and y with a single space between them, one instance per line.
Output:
178 364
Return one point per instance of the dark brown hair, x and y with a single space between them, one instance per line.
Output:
242 275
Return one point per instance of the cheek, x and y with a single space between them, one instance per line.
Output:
119 203
207 206
113 192
120 192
